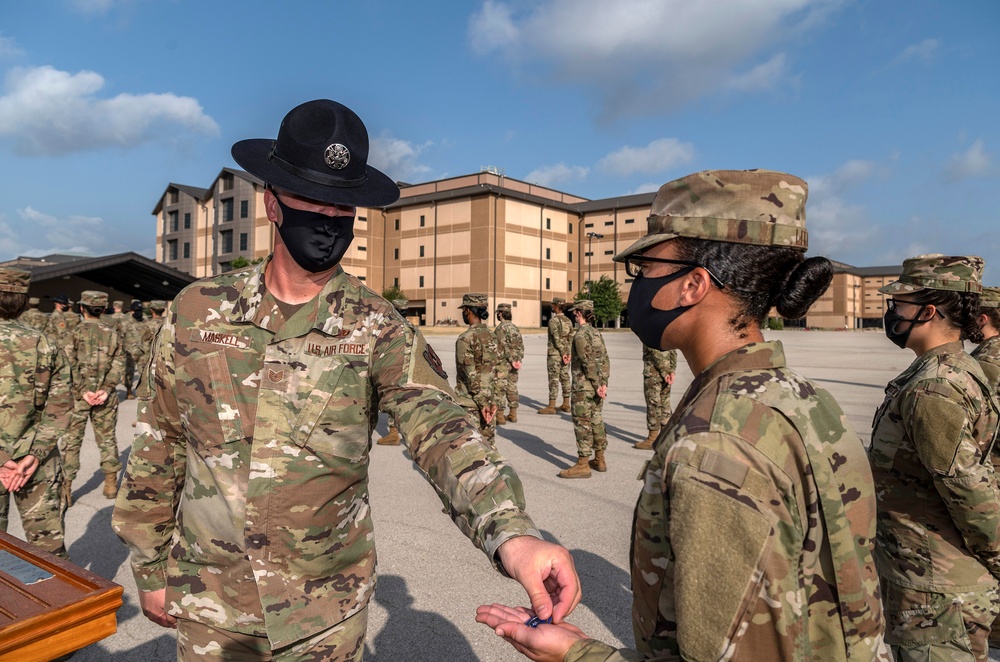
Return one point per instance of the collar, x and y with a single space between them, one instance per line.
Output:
767 355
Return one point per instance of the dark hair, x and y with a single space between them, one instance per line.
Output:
760 278
992 314
478 311
12 304
504 314
960 309
589 316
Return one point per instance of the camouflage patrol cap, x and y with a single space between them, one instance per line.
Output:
158 304
503 308
934 271
474 300
558 301
94 298
990 298
583 305
400 304
760 207
33 301
117 304
14 280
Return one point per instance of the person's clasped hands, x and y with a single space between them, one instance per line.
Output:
15 474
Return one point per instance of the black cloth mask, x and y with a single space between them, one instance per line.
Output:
648 322
315 241
891 320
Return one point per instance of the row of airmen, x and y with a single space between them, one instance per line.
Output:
72 363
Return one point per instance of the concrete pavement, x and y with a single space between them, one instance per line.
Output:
431 578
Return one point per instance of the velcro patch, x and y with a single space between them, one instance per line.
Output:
725 468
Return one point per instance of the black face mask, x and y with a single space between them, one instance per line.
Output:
315 241
891 321
648 322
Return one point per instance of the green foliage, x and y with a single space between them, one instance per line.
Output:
775 323
607 298
240 262
393 292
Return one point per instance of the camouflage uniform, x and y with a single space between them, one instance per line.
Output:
391 437
988 352
246 494
511 347
560 344
97 361
61 324
34 392
751 538
656 367
591 369
476 359
33 317
938 542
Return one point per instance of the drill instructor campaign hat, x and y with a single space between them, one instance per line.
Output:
322 154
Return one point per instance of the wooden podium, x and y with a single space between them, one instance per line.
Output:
48 606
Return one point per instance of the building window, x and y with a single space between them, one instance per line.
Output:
362 219
243 241
244 208
362 278
227 209
227 181
547 285
172 221
587 253
608 223
444 303
571 228
548 223
395 282
172 197
421 281
187 250
571 286
187 220
397 225
421 220
588 225
548 253
571 256
611 252
629 220
421 251
172 249
226 241
395 253
362 248
629 280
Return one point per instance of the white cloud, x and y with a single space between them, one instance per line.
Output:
559 173
922 52
657 156
639 55
9 48
838 227
842 179
398 158
44 111
973 162
34 233
648 187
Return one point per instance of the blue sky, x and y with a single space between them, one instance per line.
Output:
888 109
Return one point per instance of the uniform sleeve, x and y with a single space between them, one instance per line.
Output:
52 398
116 371
564 341
477 490
144 515
465 357
584 346
516 345
939 423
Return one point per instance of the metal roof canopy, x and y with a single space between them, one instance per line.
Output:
126 272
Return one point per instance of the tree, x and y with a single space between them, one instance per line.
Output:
239 262
607 298
392 293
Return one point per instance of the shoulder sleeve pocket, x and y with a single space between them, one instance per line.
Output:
721 546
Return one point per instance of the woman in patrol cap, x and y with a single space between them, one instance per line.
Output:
938 544
752 534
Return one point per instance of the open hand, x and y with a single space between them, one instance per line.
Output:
544 643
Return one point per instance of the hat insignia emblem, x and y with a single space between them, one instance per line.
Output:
337 156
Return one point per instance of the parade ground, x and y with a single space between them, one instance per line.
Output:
431 578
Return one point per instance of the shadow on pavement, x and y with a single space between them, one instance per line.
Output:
607 592
535 445
99 549
411 634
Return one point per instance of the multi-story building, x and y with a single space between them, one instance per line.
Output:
518 242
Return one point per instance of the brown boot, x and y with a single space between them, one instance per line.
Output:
598 463
647 443
111 485
391 438
565 405
551 409
500 419
512 416
579 470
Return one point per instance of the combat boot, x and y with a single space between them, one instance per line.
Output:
647 443
565 405
110 485
598 464
391 438
551 409
512 416
501 419
579 470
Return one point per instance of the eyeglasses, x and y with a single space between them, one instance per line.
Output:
634 265
890 304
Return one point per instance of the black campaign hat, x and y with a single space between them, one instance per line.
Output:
322 154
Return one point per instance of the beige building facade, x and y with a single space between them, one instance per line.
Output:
517 242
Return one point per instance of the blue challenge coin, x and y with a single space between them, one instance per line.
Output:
534 621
